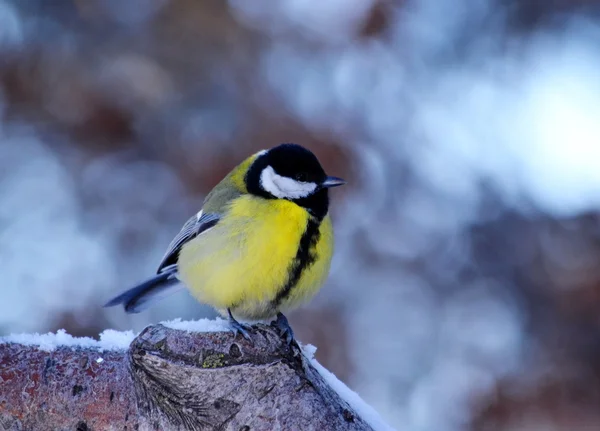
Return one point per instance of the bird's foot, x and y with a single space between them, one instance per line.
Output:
239 328
285 330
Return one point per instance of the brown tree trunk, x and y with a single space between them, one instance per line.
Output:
170 380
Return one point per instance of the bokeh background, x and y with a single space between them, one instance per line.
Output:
465 290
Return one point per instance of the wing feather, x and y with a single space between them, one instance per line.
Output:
191 229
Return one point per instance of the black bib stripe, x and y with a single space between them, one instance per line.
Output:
305 257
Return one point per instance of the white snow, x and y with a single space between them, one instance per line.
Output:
109 340
200 325
365 411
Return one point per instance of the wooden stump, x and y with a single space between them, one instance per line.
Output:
170 380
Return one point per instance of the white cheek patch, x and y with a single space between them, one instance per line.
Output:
284 187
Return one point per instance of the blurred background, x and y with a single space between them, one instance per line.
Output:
465 289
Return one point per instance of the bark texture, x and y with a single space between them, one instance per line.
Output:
170 380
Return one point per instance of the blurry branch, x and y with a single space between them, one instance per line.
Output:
170 379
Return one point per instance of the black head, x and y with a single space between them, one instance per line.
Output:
292 172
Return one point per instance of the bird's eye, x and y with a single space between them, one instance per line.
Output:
301 177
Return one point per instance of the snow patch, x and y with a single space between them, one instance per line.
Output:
109 340
365 411
200 325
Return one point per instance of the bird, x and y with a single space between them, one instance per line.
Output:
262 243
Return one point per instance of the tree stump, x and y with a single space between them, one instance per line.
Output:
170 379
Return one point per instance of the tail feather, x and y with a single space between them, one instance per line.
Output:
138 298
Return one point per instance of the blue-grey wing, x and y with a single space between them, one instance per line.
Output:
192 228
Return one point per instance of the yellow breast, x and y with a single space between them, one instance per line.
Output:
244 262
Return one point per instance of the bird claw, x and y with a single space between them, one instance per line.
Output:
285 330
239 328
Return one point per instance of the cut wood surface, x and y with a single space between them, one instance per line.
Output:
170 379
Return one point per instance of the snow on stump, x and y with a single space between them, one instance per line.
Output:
169 379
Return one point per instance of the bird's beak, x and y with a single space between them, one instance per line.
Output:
333 182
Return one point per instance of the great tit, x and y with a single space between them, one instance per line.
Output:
262 242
